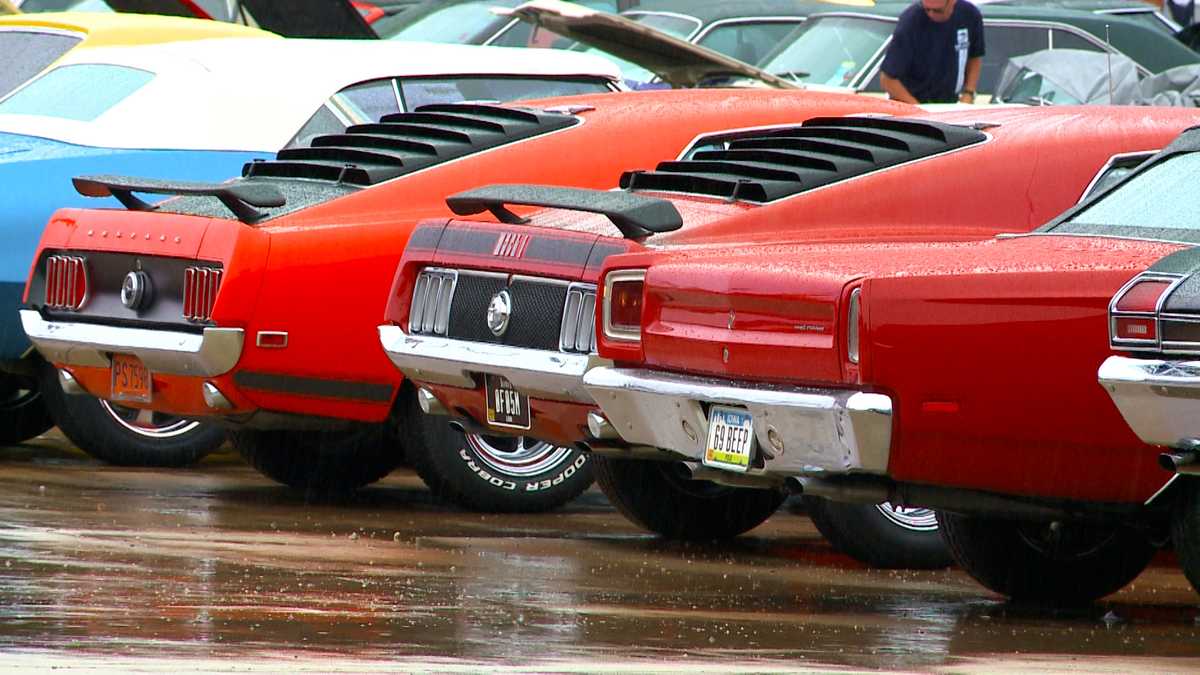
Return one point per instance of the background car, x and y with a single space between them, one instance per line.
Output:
846 48
731 307
287 348
197 111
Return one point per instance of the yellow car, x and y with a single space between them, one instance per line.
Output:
29 43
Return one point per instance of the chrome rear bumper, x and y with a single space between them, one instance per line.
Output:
1159 399
214 351
534 372
801 431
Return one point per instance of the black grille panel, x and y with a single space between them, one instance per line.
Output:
537 307
763 166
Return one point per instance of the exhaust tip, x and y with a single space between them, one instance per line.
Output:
69 384
600 428
430 405
1176 461
213 397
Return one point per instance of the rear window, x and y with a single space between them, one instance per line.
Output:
1149 200
80 92
747 41
27 53
421 91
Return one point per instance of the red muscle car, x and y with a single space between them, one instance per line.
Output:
723 305
257 301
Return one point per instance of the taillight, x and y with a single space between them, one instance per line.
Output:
623 291
578 330
430 309
66 282
1133 313
200 287
853 315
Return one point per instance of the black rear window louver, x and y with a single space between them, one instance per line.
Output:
368 154
765 165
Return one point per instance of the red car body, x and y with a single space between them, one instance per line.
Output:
1036 163
305 289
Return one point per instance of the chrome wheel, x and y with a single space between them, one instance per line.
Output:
917 520
517 456
148 423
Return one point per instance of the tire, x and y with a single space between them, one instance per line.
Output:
23 413
126 436
1185 531
321 462
661 498
1046 564
494 474
882 535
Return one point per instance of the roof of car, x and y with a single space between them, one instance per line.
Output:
709 11
254 94
104 30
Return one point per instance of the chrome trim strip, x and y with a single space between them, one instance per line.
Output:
620 335
215 351
1159 399
1114 314
800 431
536 372
1120 156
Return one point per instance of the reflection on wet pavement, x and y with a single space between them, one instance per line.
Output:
185 570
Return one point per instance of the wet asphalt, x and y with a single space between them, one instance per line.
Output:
215 568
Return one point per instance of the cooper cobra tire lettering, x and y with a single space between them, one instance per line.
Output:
483 474
566 473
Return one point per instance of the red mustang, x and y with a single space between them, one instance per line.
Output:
257 301
724 308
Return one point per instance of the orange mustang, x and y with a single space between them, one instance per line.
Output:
256 301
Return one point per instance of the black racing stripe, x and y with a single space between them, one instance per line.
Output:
600 253
544 249
426 236
461 240
311 386
550 249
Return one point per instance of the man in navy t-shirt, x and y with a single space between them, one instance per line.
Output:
936 53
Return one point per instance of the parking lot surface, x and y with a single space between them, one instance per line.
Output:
215 567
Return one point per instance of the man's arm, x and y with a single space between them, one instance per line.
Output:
970 80
896 89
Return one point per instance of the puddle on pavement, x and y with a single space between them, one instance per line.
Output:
199 566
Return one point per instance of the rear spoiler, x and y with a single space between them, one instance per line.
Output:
238 197
636 216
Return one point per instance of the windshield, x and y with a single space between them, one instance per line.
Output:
747 41
830 50
421 91
80 92
677 26
1149 200
460 23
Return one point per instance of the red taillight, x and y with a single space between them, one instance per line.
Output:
66 282
200 287
1135 328
1142 296
623 304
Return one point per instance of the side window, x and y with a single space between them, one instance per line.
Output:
28 53
367 102
1061 39
747 41
521 34
1114 172
322 122
1005 42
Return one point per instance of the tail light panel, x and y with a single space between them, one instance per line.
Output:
200 288
578 330
66 282
623 298
1135 312
429 313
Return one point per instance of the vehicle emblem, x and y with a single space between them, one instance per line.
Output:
511 245
498 311
135 290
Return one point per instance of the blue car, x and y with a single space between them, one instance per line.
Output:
198 111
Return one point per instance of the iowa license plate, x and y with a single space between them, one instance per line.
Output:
506 407
730 438
130 379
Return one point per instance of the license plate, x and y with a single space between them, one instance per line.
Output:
506 407
130 379
730 439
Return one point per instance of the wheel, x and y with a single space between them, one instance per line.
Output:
1046 563
23 413
493 473
1185 531
661 497
126 436
882 535
321 462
